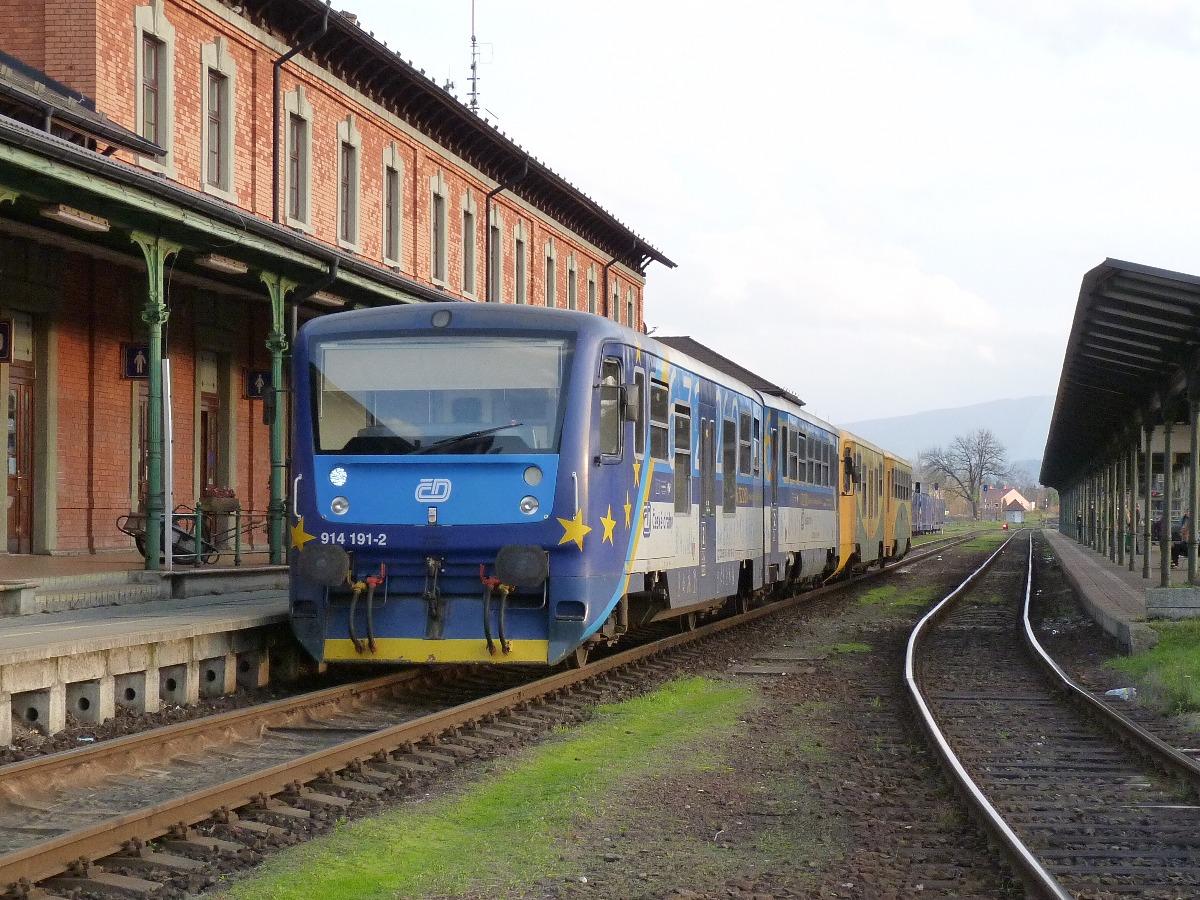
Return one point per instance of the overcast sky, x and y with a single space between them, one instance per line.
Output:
885 206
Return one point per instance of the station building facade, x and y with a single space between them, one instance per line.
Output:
190 179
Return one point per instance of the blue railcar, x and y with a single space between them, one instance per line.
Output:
486 483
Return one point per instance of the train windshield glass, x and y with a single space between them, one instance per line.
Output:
460 394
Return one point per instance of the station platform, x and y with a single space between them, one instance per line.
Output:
88 662
1111 594
48 584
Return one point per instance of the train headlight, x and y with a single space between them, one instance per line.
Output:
529 505
338 476
339 506
533 476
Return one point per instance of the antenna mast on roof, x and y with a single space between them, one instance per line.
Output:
474 79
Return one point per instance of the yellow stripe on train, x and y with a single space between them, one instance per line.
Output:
419 650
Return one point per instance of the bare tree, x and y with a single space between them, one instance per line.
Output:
967 463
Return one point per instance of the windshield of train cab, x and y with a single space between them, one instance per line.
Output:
449 393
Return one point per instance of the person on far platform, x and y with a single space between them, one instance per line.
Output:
1179 542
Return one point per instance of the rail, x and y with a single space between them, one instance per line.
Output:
37 862
1024 860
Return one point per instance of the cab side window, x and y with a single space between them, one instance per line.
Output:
639 422
610 407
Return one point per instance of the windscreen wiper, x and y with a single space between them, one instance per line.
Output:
463 438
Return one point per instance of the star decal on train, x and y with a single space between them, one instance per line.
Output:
574 530
609 524
637 471
300 537
628 511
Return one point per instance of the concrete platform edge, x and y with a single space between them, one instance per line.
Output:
1133 637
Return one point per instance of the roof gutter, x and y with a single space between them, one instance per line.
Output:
275 78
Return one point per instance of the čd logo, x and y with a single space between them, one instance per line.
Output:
433 490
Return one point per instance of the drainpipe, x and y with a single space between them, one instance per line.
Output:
275 69
487 231
607 296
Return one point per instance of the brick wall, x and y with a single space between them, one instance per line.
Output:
96 407
90 45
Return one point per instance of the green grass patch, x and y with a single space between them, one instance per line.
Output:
989 541
508 830
1168 674
890 596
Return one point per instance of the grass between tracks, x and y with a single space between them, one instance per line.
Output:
508 829
1168 674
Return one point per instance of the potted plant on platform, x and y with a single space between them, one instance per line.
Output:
218 500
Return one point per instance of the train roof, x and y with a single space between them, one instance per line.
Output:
467 314
711 358
588 326
888 454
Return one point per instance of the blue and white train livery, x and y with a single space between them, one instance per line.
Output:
486 483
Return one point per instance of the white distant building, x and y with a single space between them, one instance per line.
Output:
1004 497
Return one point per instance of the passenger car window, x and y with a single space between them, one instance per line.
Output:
659 410
639 422
683 458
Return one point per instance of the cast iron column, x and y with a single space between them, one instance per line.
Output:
1147 524
278 289
1119 529
1164 545
1193 388
154 314
1132 462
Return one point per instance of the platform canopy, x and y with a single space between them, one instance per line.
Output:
1133 342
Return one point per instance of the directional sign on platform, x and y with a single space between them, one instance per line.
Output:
258 382
135 360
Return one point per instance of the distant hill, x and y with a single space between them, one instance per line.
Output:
1020 424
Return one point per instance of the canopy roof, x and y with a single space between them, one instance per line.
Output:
1133 341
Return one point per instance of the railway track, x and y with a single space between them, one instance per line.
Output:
84 820
1085 802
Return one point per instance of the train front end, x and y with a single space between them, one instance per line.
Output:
436 448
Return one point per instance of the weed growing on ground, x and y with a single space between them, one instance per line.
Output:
508 829
891 596
1168 674
840 649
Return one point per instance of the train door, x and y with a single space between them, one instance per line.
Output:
772 466
708 490
20 459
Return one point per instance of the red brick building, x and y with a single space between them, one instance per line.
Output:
158 196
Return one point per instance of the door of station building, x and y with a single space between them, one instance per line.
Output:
210 414
20 459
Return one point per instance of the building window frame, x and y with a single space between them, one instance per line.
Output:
470 241
392 212
150 22
349 183
520 264
629 319
495 293
297 109
439 203
572 283
216 61
591 289
614 302
550 263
